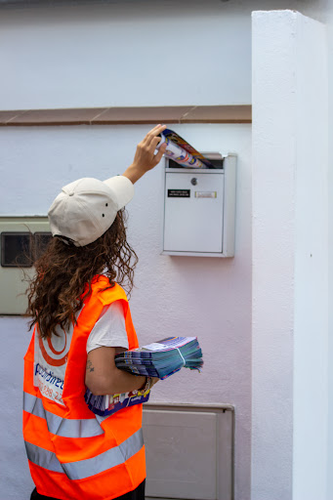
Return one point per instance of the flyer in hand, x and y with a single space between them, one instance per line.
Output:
107 405
182 152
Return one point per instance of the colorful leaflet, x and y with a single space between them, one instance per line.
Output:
182 152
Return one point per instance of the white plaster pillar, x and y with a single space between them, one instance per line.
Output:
290 286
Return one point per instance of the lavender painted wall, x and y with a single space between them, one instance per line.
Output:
208 298
330 255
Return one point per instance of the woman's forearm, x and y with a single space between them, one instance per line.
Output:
103 377
116 383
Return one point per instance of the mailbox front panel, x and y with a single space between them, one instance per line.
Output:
193 212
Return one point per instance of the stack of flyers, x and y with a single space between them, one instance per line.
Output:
160 359
107 405
163 358
182 152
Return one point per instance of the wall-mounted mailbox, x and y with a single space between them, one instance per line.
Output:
199 208
22 241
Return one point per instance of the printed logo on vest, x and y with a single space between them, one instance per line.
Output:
50 386
50 364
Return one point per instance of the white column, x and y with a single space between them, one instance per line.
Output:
290 288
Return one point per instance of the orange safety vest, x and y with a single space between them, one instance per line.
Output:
72 452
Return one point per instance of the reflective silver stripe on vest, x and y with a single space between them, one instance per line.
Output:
72 428
110 458
85 468
43 458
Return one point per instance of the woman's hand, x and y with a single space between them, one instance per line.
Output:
154 380
145 159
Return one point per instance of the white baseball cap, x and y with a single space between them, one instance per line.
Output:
86 208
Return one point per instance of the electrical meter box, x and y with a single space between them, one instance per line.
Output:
22 241
199 208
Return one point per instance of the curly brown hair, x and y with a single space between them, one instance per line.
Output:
58 290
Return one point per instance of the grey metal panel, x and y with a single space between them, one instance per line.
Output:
189 451
13 280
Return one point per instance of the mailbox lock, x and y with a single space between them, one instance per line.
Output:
194 181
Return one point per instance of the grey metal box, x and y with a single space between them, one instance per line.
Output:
16 263
189 450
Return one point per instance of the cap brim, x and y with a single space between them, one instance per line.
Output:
122 188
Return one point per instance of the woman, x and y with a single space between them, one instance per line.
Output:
81 319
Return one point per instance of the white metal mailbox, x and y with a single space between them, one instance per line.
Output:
199 208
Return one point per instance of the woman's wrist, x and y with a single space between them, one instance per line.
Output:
133 173
147 385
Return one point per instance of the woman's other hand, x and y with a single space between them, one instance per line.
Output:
145 158
154 380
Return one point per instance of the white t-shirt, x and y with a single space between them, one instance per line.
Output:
51 353
109 330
